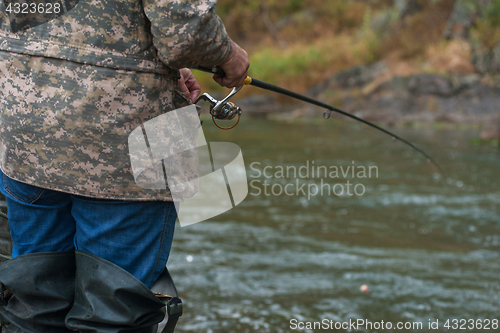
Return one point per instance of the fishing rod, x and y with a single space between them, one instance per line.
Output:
224 109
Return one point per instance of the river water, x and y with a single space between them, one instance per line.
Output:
426 247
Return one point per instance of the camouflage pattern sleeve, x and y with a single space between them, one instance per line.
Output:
187 33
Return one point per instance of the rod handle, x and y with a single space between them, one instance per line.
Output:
213 70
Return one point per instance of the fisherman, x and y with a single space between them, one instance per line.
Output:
77 77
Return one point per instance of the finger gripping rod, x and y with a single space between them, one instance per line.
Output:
267 86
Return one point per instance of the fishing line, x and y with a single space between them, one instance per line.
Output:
270 87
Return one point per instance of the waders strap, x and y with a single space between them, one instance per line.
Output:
174 311
165 286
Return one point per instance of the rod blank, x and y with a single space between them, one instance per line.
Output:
270 87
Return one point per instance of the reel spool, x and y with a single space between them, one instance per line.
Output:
222 109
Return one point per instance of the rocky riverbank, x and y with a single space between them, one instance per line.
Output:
437 62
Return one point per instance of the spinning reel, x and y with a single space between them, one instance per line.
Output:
222 109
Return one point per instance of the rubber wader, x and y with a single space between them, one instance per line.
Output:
108 299
37 291
53 292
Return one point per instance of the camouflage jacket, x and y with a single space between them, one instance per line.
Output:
76 81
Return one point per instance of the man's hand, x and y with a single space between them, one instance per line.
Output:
188 84
235 67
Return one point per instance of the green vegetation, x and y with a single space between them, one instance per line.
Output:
300 43
483 142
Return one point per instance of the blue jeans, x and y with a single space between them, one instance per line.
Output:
135 235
